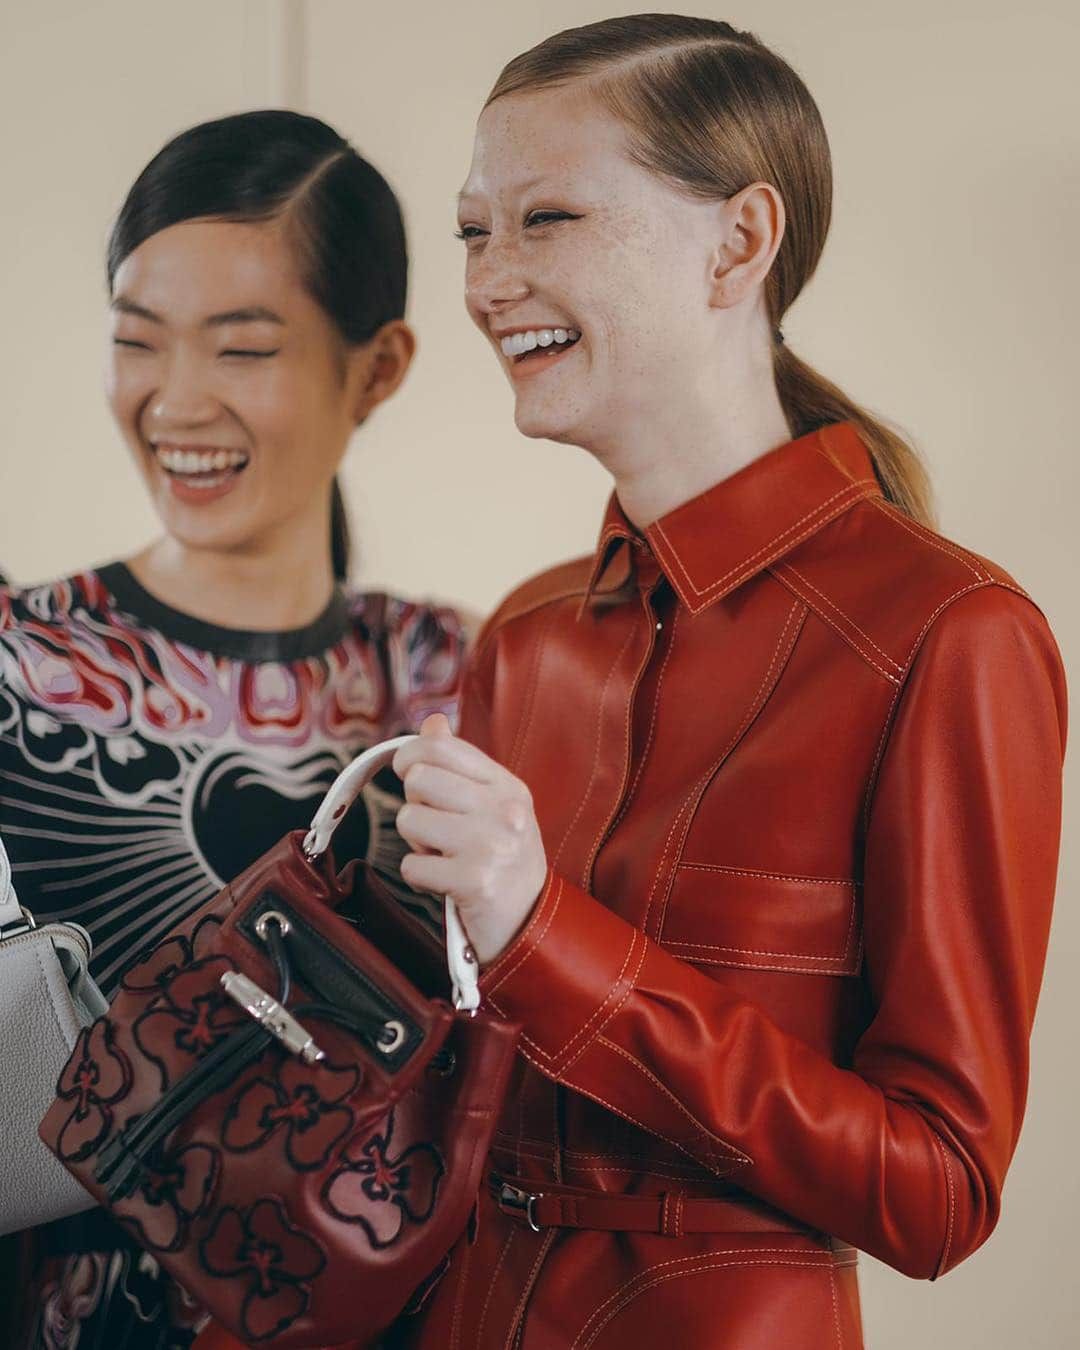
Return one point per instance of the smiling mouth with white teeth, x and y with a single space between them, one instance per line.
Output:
203 467
538 342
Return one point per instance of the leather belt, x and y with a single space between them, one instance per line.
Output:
669 1214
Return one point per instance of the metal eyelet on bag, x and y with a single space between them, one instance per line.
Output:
268 917
391 1038
443 1063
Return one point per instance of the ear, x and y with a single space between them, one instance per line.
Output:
751 229
377 368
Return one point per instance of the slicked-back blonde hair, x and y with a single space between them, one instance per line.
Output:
712 109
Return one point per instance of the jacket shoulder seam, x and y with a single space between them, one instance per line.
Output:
930 537
892 665
834 617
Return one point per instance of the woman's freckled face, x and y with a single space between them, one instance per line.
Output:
267 383
629 270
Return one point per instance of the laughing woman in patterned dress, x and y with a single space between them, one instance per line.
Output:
165 719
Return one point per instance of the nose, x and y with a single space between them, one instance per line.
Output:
494 279
183 398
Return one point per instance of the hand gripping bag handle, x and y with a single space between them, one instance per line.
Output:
350 782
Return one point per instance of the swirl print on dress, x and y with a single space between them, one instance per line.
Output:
146 758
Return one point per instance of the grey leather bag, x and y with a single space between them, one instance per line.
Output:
46 997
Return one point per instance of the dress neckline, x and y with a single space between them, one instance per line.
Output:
291 644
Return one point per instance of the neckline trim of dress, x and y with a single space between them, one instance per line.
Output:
292 644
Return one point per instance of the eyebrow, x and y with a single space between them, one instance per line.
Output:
519 188
249 314
252 314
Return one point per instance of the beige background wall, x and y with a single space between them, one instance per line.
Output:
946 299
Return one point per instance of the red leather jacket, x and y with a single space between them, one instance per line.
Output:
797 763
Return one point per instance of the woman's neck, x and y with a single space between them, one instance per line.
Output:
693 442
282 585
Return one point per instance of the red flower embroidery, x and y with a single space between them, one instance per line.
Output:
158 968
382 1193
175 1190
189 1018
302 1101
276 1260
96 1076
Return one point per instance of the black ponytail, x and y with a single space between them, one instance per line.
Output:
340 541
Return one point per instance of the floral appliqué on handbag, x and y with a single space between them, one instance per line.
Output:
274 1107
382 1192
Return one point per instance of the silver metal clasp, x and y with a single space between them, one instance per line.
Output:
269 1013
23 925
520 1203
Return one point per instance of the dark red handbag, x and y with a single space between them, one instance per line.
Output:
290 1123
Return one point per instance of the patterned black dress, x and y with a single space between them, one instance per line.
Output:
146 758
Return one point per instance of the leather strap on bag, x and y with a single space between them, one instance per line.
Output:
346 787
669 1214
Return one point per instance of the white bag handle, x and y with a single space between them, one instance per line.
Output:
346 787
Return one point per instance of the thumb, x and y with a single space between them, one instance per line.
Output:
436 724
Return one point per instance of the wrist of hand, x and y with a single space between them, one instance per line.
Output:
493 928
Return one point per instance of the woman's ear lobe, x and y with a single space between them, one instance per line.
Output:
383 364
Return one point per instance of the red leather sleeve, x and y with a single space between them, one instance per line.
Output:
904 1153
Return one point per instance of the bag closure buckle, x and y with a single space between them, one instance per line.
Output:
269 1013
25 924
520 1204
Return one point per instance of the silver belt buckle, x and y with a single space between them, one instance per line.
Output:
521 1204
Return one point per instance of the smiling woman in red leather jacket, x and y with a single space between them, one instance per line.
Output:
754 818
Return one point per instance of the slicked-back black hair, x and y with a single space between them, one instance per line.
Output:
342 215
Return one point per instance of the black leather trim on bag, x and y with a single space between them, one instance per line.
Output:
320 967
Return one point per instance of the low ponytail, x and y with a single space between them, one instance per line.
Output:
810 401
339 533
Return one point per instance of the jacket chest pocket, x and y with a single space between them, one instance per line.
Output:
726 916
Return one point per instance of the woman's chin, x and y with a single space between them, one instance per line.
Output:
548 424
196 530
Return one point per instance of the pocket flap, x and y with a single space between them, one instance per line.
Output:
764 920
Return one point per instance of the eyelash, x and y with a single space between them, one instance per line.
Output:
229 351
541 217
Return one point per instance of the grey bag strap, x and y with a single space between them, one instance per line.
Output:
12 916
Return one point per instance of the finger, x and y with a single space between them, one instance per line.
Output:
429 785
436 724
429 872
424 827
451 753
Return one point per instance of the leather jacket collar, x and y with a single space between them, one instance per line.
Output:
765 510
